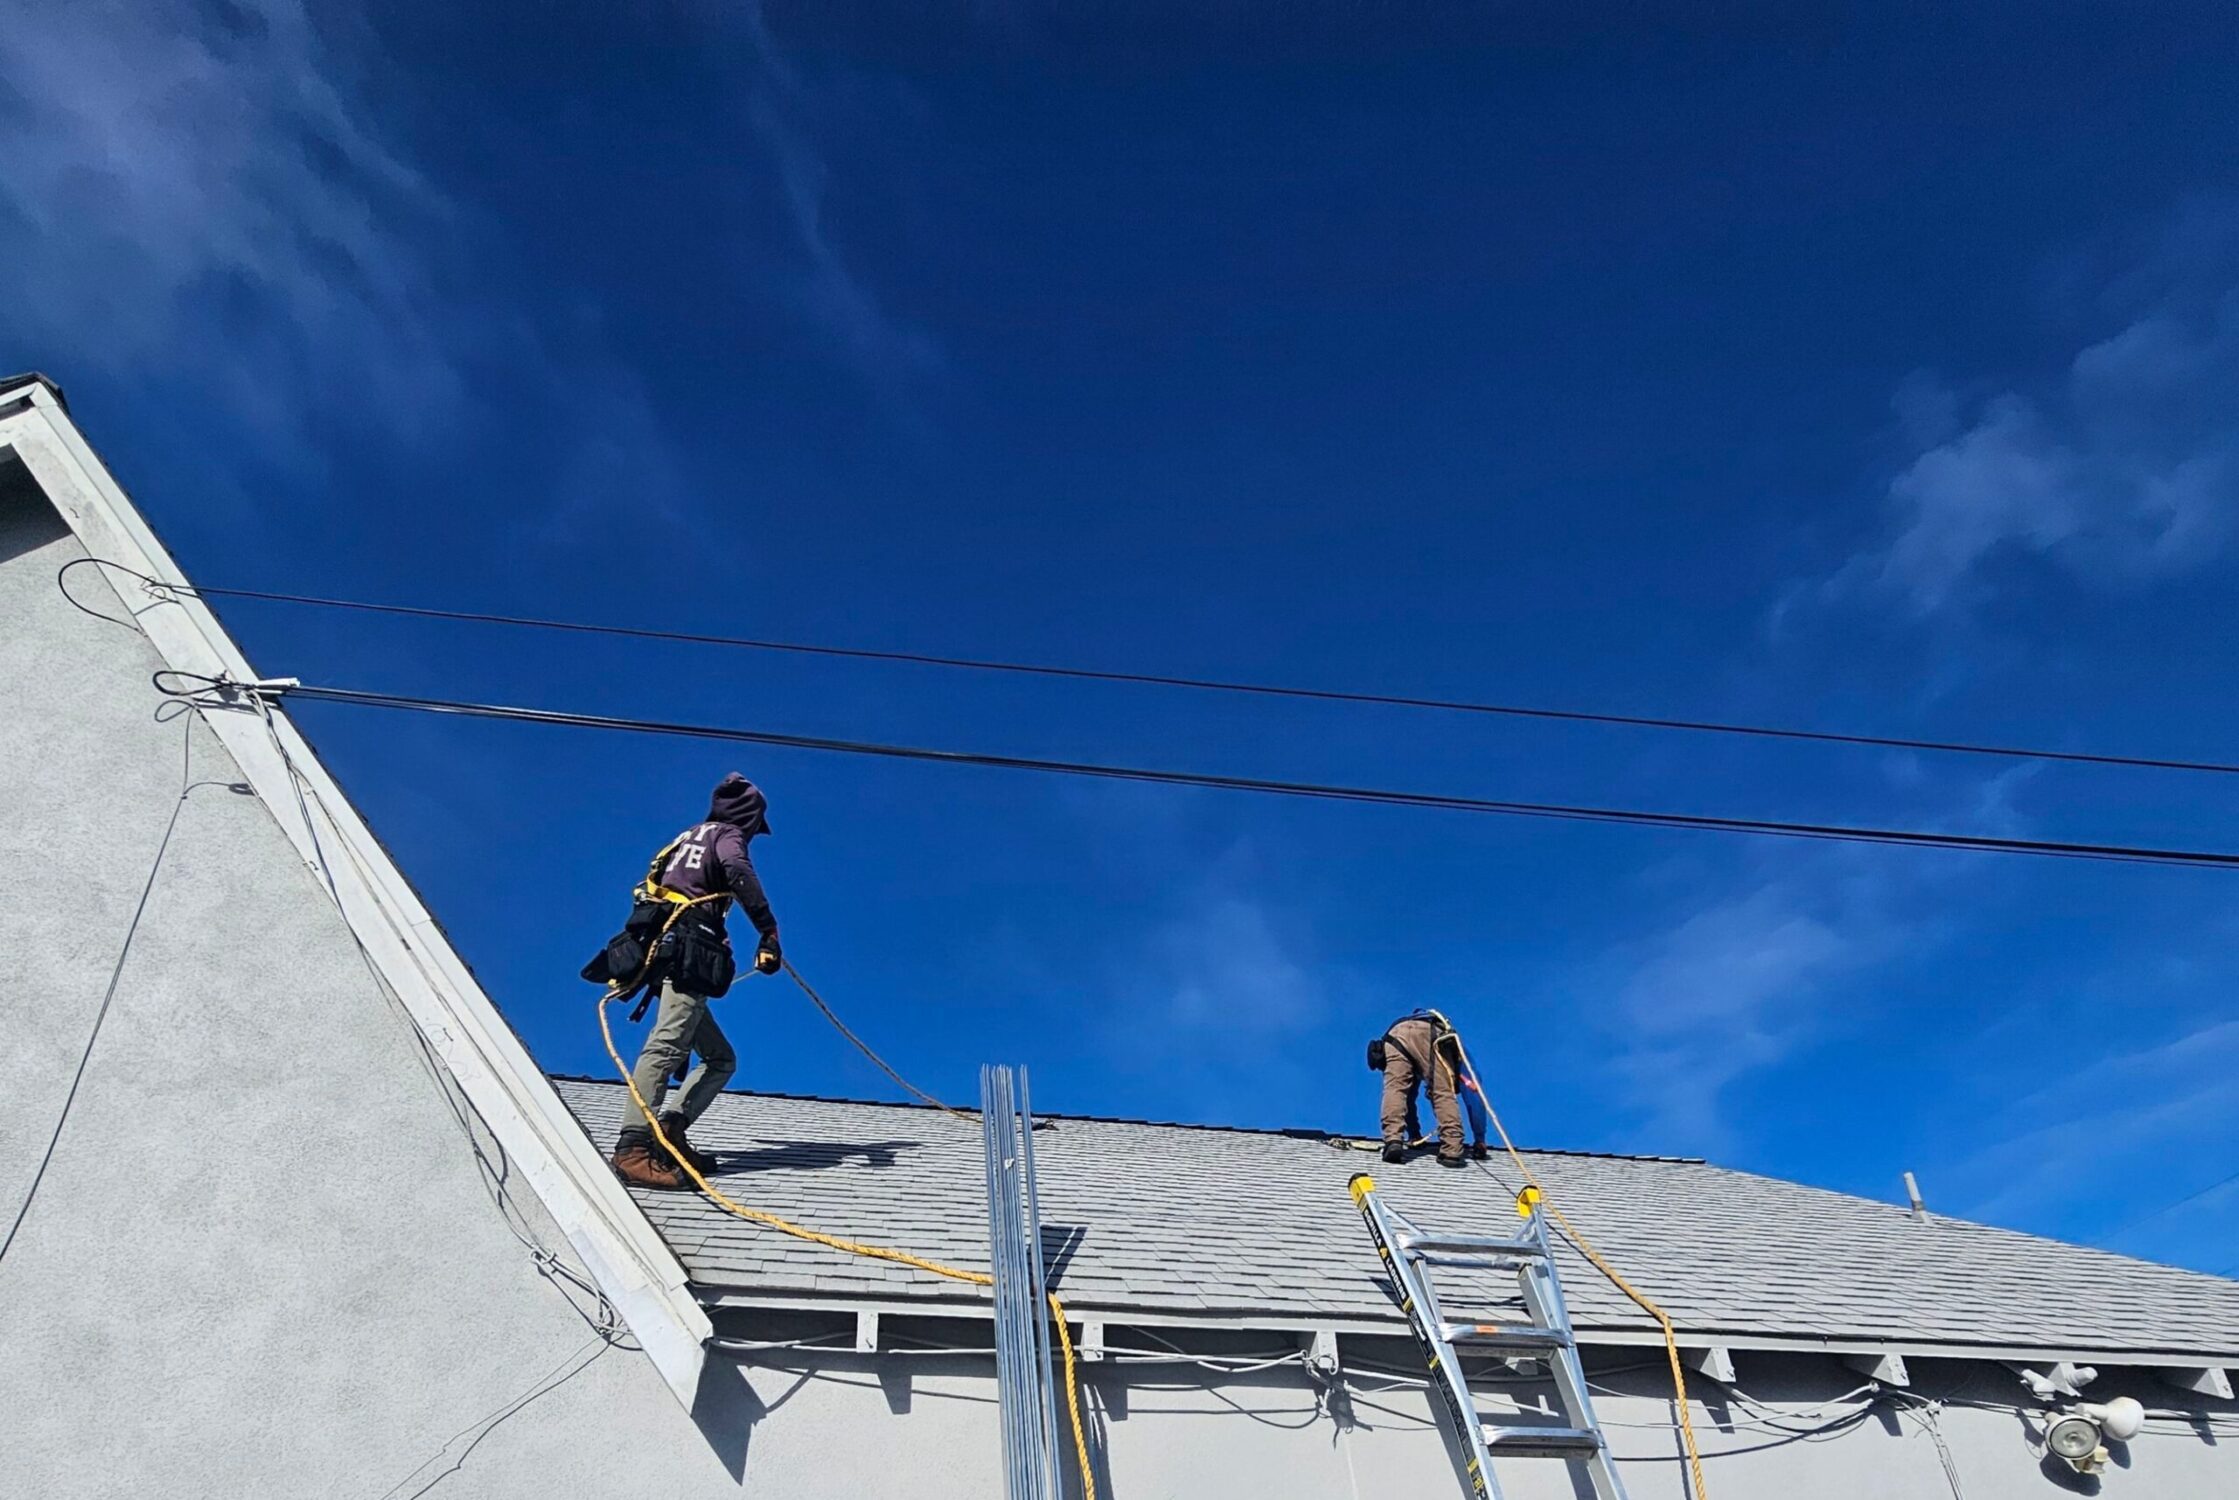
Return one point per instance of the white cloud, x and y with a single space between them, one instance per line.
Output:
833 294
2127 471
1223 962
197 202
2146 1124
1735 986
195 187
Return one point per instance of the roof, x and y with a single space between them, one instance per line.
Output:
10 384
1186 1223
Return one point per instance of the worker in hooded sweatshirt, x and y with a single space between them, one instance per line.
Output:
707 865
1414 1052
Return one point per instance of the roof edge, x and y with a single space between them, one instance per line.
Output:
11 384
633 1266
1295 1133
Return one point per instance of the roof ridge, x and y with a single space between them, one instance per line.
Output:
1298 1133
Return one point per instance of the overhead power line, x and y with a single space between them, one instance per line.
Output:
1379 796
1255 689
2168 1208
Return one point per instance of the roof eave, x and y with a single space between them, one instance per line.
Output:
1286 1323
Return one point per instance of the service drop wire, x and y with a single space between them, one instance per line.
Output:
1357 697
201 688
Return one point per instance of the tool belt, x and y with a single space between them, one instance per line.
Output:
696 958
669 937
1380 1050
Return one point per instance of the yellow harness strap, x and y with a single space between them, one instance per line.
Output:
651 889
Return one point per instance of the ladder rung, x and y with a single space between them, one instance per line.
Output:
1464 1244
1509 1336
1543 1442
1467 1262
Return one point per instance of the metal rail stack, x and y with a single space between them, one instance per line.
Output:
1022 1326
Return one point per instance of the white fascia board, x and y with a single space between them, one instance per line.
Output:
636 1270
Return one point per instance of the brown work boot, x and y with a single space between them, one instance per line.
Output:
673 1127
636 1164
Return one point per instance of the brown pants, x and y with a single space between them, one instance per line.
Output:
1408 1041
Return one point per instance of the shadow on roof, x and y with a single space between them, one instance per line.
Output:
807 1156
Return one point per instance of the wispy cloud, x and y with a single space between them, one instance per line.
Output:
2145 1125
189 185
2125 470
1225 961
1754 969
1222 979
1229 952
783 105
199 202
1738 983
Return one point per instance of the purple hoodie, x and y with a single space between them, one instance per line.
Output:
710 858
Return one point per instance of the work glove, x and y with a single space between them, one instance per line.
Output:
768 960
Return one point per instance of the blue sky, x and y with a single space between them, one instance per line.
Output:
1784 364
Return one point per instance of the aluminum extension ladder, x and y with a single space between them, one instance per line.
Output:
1409 1253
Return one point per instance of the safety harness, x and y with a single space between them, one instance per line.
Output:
1441 1028
626 962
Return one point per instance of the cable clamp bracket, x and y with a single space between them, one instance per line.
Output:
263 687
222 690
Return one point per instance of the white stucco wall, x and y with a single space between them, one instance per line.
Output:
267 1262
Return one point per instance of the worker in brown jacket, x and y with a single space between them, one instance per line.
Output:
1411 1054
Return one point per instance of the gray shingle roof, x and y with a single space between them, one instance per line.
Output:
1182 1221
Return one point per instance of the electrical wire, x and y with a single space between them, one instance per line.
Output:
1377 796
1924 1414
578 1360
187 785
1780 1437
1113 1353
1203 684
602 1316
2168 1208
1766 1419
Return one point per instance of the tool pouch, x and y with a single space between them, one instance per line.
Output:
1376 1055
697 961
622 960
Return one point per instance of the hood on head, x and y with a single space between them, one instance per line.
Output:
740 802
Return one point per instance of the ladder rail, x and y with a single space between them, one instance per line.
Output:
1543 1294
1408 1254
1455 1408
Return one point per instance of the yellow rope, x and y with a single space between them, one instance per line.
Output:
1073 1399
855 1247
1586 1248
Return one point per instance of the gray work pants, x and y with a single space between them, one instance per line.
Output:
682 1026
